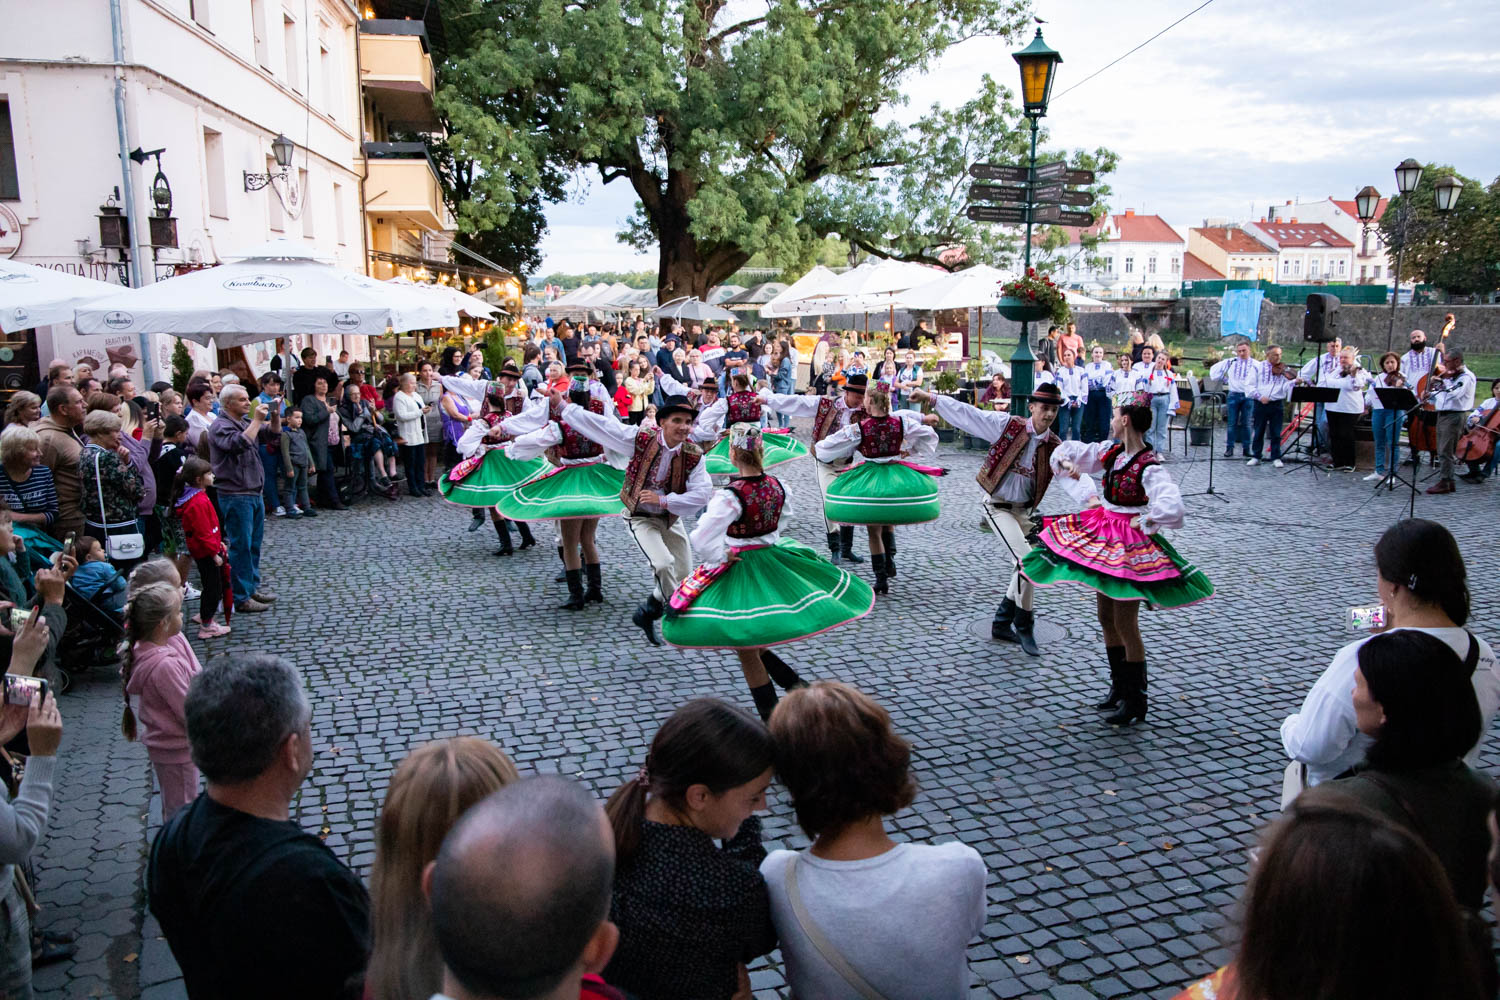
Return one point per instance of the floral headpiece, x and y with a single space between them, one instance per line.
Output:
1140 398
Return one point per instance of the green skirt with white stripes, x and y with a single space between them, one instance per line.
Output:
572 491
881 493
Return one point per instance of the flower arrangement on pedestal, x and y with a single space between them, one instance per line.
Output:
1032 297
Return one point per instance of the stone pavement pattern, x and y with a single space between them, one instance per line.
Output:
1115 857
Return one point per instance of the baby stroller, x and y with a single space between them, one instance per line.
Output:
359 475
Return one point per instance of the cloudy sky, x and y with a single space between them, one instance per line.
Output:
1239 106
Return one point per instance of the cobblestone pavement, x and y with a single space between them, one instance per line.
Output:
1115 857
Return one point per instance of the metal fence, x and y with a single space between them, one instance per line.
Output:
1349 295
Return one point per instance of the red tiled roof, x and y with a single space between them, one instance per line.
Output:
1303 234
1351 210
1131 227
1194 269
1233 240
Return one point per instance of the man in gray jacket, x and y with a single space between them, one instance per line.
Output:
240 479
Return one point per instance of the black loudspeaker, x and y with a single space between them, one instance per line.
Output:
1319 320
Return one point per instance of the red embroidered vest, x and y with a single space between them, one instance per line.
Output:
1123 487
1009 447
826 421
761 498
642 467
513 404
744 408
880 437
574 444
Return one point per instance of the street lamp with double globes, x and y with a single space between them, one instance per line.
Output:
1038 62
1408 175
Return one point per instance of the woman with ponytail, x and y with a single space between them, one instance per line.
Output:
1423 586
157 668
691 913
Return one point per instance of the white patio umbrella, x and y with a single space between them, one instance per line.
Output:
976 287
692 308
809 284
257 298
1080 299
39 296
467 305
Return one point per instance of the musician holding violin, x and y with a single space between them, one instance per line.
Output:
1343 413
1477 447
1273 386
1385 424
1451 392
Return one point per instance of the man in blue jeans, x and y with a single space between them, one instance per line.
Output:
234 441
1239 374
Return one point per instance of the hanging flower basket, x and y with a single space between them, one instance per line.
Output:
1031 298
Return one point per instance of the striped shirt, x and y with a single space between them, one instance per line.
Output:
33 495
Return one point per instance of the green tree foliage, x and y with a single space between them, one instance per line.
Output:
1457 251
182 366
724 128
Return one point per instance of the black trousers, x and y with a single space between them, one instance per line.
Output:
1341 437
213 590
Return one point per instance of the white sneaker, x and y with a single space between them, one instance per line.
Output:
297 511
1253 461
281 512
1276 464
1374 476
190 592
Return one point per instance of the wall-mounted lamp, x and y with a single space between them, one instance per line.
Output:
281 149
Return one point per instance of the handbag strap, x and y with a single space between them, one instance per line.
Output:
819 941
99 485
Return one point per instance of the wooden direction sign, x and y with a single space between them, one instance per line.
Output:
1054 214
997 213
1010 193
1076 177
1051 171
999 172
1056 194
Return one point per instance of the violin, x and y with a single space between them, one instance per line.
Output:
1280 369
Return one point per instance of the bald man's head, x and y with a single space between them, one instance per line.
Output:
521 889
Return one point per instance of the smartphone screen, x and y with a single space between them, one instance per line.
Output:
18 618
24 690
1367 618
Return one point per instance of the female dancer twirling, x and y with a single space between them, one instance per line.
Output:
486 473
1112 547
883 490
744 406
754 588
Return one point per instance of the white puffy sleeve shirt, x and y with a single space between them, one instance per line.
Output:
1164 507
710 538
917 440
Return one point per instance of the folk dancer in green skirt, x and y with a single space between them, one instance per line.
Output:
744 406
831 414
665 480
883 490
1113 547
1015 475
581 489
755 589
485 473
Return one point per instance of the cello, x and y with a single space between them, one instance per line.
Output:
1478 445
1423 433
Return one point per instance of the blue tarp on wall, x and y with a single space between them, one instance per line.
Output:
1239 312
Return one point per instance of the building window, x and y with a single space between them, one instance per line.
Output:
1375 271
1129 265
258 28
1286 268
1342 265
1297 267
276 218
214 176
1314 264
1363 272
1176 265
338 214
10 182
1150 265
198 11
293 53
1109 265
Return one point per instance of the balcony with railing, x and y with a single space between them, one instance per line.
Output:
395 70
403 183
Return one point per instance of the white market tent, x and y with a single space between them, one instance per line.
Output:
809 284
279 289
870 287
40 296
574 298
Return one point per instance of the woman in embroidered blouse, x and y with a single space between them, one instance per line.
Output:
884 490
1112 547
754 588
690 912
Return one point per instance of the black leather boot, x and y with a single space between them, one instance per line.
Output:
528 540
645 618
502 528
765 700
1025 626
877 563
478 519
575 600
888 539
1005 615
846 544
833 546
1116 655
781 672
562 574
594 593
1132 697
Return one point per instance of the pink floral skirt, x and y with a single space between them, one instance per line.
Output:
1104 541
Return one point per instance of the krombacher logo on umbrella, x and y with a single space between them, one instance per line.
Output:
346 321
257 282
118 320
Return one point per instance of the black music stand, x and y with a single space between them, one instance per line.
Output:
1406 401
1310 394
1214 400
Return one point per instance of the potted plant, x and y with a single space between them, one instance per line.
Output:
945 383
1199 423
1031 298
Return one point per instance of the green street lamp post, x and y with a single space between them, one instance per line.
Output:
1408 175
1038 63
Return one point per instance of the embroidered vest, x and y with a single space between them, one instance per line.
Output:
513 404
1009 447
826 420
761 498
880 437
574 444
744 408
1123 487
642 467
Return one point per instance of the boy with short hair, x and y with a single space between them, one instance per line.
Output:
295 461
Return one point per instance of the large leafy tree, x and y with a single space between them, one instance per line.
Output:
1457 251
725 121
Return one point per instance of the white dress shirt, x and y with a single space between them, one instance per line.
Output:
917 439
1018 485
710 419
710 538
1164 508
1323 735
1483 411
619 437
1460 394
1239 374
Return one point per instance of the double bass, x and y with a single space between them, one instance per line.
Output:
1423 433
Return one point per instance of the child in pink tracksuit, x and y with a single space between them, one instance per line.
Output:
159 664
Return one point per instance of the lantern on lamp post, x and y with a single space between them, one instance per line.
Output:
1446 192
